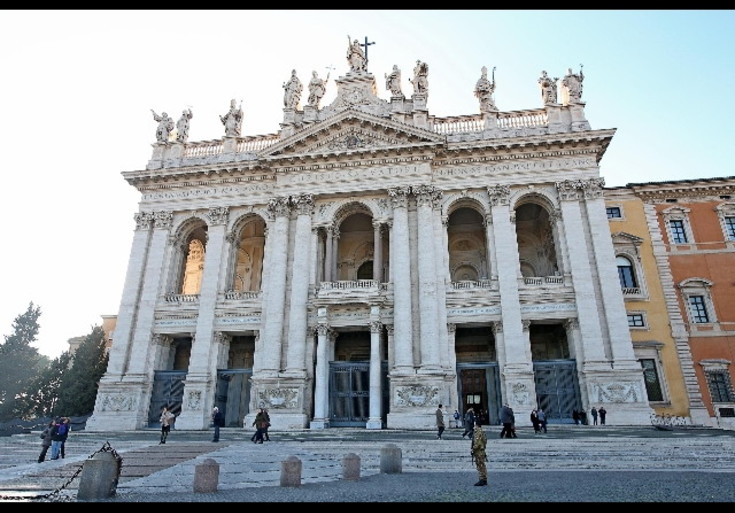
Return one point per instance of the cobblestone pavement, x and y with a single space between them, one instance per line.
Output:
608 464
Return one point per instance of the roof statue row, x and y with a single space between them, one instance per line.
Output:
571 86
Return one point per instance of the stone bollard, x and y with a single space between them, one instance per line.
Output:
99 477
390 459
206 476
351 467
291 471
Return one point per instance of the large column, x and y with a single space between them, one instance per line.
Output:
401 276
376 390
335 254
148 298
582 278
276 288
201 350
297 321
201 378
505 244
131 293
517 372
328 253
377 253
321 377
621 345
426 197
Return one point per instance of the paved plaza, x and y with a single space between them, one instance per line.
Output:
568 464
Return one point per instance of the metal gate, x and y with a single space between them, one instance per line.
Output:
479 389
233 395
168 390
557 389
349 393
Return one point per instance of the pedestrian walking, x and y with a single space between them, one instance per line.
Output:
479 457
535 422
45 440
218 420
542 418
58 437
260 426
593 412
166 419
67 422
457 416
602 412
469 422
439 422
507 418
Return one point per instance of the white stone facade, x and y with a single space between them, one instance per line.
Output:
371 231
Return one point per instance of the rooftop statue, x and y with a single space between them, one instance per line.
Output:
548 88
317 88
292 92
182 126
232 120
420 79
393 82
572 83
484 90
356 56
165 125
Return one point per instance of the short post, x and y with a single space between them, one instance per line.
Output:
99 478
390 459
206 476
291 471
351 467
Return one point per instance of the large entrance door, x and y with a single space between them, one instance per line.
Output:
349 393
168 390
233 395
479 389
557 389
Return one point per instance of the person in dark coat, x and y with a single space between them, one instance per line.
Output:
45 441
535 421
218 420
507 418
469 422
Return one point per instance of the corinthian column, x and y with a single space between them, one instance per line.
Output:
275 293
299 286
202 350
401 276
376 390
143 333
426 197
131 291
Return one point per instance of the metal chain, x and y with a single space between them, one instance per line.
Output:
55 495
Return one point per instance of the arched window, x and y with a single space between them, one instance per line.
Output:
626 274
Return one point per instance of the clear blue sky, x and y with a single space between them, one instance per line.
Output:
77 88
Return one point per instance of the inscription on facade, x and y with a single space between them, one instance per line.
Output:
205 193
531 165
361 173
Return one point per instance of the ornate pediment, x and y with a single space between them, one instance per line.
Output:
351 131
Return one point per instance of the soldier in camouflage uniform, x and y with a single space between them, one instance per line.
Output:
479 442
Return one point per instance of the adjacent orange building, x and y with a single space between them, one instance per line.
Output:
691 226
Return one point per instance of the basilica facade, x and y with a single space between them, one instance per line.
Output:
370 261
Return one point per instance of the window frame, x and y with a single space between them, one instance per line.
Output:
692 288
651 350
679 214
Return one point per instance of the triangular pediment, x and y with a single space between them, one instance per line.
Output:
351 131
626 238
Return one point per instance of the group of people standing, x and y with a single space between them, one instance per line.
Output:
54 435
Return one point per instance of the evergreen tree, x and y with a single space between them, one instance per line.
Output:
79 383
19 362
43 391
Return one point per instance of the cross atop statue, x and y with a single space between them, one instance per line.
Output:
365 45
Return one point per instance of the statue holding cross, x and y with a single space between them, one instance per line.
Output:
356 57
